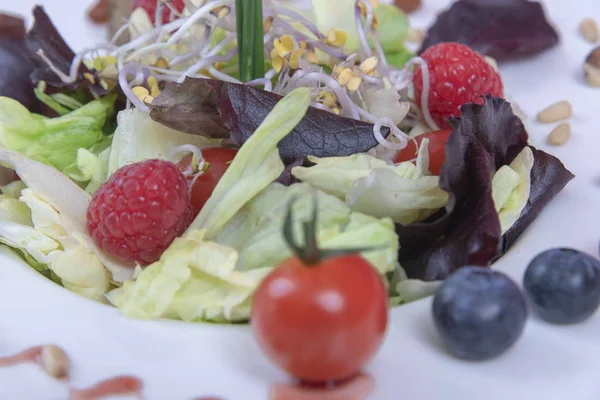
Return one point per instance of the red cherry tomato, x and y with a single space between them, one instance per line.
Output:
218 160
437 148
150 7
321 322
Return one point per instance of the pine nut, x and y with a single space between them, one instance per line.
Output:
589 30
560 135
54 361
556 112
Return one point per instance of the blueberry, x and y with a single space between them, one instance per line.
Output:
480 313
563 285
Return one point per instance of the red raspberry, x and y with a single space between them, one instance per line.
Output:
457 75
150 7
139 211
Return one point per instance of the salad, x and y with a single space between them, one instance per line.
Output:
156 175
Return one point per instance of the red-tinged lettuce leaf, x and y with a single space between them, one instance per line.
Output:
190 107
204 106
468 231
15 66
44 37
548 177
502 29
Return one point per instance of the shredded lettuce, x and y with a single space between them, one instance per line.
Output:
256 230
53 141
256 164
58 212
34 227
194 280
211 272
369 185
511 185
339 14
138 138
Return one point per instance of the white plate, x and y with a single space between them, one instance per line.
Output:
180 361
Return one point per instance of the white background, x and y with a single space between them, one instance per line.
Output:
180 361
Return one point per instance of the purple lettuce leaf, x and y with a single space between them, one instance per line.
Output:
502 29
207 106
14 63
44 37
467 231
548 177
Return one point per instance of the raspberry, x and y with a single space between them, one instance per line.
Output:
457 75
139 211
150 7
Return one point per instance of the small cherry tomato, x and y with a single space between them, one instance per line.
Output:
437 149
218 159
150 7
320 319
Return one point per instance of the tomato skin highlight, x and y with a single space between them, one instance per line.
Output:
437 149
321 322
218 159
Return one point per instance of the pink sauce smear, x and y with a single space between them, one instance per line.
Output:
31 355
356 389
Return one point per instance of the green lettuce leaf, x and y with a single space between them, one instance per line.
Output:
194 280
58 212
339 14
198 280
255 231
139 138
511 185
369 185
34 228
255 166
211 272
53 141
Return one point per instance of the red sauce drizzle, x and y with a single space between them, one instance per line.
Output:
26 356
119 385
355 389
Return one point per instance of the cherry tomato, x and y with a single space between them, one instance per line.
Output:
218 160
437 149
150 7
321 322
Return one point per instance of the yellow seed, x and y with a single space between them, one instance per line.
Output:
335 110
369 65
148 99
375 24
89 77
221 12
295 58
140 92
277 61
327 98
336 37
284 45
267 24
344 76
219 65
354 83
312 57
162 63
303 44
152 81
110 72
363 8
154 91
